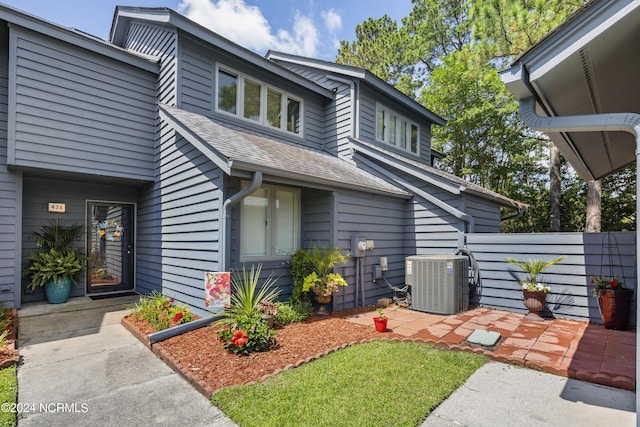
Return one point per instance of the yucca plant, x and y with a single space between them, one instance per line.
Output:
245 294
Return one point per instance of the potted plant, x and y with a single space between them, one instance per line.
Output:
57 266
381 321
614 301
322 281
269 311
534 292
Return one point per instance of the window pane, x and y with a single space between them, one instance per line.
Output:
285 223
254 224
393 128
227 90
274 108
293 115
403 135
252 100
380 118
414 139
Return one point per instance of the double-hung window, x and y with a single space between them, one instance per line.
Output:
396 130
270 225
250 99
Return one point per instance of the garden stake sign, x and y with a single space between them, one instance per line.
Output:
217 289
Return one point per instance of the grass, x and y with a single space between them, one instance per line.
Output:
382 383
8 394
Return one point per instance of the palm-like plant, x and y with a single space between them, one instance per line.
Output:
246 296
534 267
56 235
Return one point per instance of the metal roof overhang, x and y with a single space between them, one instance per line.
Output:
589 65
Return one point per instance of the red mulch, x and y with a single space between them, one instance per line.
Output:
9 356
200 356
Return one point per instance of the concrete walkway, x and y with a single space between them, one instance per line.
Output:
80 367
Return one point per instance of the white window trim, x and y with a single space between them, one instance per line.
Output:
271 256
239 114
387 124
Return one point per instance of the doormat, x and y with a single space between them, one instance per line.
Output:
123 294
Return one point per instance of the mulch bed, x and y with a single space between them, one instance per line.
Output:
201 358
9 355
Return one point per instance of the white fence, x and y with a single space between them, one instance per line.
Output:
588 255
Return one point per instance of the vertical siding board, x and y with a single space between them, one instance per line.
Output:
570 280
119 114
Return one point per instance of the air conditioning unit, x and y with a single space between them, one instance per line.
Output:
439 283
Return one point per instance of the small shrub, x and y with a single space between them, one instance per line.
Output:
160 312
294 311
300 266
249 334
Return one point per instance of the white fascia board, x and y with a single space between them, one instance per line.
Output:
569 39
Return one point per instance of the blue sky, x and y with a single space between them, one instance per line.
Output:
304 27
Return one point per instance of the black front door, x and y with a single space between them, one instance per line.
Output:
110 246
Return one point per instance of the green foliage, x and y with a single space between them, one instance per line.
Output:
56 235
340 386
53 265
246 296
248 334
293 311
534 267
322 281
8 395
160 312
300 266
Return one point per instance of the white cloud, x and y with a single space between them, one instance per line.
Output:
332 20
247 26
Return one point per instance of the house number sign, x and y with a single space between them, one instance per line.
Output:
57 207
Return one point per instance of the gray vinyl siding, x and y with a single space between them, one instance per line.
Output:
197 80
77 111
368 100
10 197
486 215
384 223
570 297
38 192
159 44
316 218
178 224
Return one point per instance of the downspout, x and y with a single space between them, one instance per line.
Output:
466 218
521 210
623 122
256 182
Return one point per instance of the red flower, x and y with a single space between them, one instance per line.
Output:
177 317
614 283
239 338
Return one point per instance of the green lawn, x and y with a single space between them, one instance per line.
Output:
382 383
8 394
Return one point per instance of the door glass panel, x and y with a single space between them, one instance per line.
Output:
254 224
110 247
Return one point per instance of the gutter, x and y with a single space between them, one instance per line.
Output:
234 199
466 218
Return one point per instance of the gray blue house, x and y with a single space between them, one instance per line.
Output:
184 153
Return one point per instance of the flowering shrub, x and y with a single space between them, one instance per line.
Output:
536 287
249 334
160 312
603 283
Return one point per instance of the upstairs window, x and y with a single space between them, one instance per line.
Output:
250 99
396 130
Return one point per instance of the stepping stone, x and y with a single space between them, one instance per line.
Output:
483 338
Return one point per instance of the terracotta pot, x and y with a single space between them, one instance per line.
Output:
323 301
534 300
381 323
615 306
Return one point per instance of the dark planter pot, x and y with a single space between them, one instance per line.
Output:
58 293
535 302
615 306
381 323
323 301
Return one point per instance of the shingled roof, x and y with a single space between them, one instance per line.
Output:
233 148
